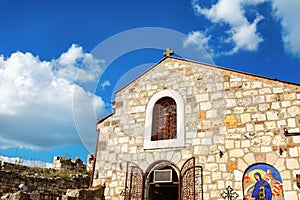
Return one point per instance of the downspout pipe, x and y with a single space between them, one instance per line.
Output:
95 158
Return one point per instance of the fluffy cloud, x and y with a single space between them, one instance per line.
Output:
37 99
246 37
287 13
238 20
241 33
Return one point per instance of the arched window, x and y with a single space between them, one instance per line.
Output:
164 125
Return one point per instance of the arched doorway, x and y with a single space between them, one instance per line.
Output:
164 189
262 175
162 181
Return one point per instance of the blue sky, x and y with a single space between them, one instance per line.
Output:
61 61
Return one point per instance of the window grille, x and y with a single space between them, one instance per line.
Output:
164 125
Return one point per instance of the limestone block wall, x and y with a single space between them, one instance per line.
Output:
241 115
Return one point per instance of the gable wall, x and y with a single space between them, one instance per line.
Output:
239 114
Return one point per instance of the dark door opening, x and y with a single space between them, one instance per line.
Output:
164 191
160 190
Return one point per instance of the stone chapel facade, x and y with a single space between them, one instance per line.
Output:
188 130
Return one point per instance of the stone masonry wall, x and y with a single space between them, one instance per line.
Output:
239 114
48 188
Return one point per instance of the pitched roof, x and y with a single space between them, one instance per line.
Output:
230 71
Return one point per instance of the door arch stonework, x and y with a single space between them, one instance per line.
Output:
186 182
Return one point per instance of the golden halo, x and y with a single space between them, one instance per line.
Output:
251 174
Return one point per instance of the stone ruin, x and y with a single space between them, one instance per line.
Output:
90 162
19 182
62 163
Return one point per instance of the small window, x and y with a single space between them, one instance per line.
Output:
164 126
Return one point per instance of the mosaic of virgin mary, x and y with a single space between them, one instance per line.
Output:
262 182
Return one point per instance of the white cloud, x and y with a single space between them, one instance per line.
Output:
196 37
241 33
199 40
74 64
245 37
71 56
105 84
36 101
228 11
288 13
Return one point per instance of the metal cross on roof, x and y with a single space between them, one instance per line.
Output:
168 52
229 194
